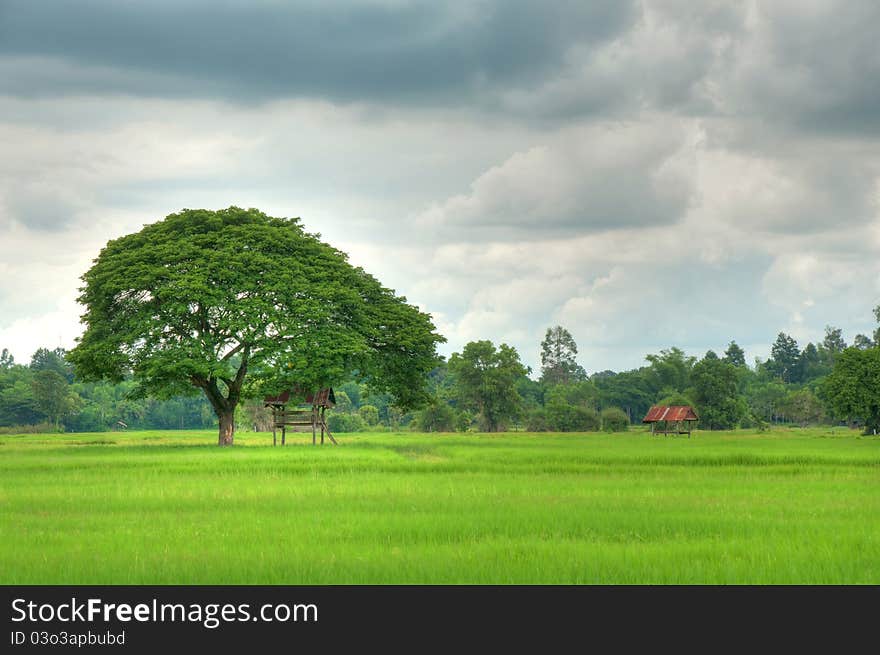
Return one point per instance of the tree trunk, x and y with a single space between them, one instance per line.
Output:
227 427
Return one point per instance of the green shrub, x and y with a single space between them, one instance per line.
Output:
614 420
562 417
370 414
463 421
536 421
38 428
437 417
339 422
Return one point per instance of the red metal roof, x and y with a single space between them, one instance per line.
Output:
670 413
323 398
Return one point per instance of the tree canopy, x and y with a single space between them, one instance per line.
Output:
486 380
558 353
715 392
234 302
735 355
853 387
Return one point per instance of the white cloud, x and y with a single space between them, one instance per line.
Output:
584 180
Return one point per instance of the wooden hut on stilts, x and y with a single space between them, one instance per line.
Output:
671 419
310 414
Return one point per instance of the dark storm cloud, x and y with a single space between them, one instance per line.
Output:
247 50
811 65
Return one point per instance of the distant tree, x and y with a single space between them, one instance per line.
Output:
6 359
833 342
802 406
486 382
343 403
853 387
536 421
53 396
581 394
764 398
255 415
671 369
437 416
784 355
812 363
370 414
18 406
232 303
353 391
735 355
52 360
558 353
877 330
715 393
631 391
862 342
532 392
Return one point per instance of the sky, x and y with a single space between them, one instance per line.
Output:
647 174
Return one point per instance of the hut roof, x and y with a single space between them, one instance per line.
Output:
670 413
321 398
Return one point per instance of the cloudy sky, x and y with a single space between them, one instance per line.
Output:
647 174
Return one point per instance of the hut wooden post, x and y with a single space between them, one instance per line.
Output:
300 418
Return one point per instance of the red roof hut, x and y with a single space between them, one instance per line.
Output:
676 419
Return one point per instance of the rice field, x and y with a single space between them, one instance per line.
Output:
798 506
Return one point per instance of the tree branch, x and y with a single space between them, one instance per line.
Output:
233 352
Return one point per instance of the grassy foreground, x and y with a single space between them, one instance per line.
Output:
787 506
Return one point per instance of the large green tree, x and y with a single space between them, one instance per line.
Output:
53 396
234 302
853 387
485 379
715 392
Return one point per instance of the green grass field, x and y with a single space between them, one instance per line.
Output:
787 506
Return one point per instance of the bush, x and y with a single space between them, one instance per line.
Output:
614 420
38 428
437 417
370 414
536 421
463 421
338 422
568 418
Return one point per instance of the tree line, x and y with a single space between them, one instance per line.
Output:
45 395
487 387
